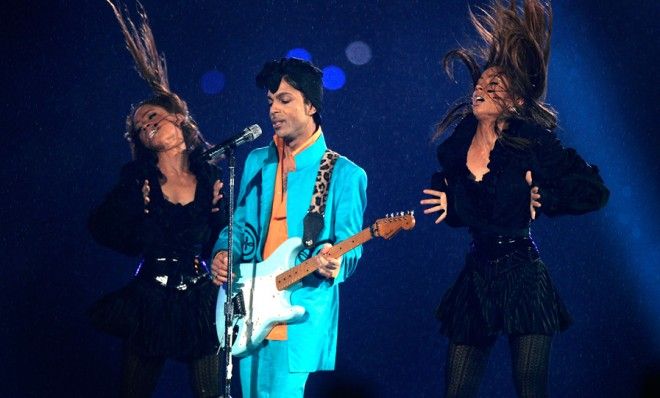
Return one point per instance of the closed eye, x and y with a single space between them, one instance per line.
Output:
284 98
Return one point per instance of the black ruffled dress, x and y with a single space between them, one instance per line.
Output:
504 286
168 309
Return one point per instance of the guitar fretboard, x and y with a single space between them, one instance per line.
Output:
295 274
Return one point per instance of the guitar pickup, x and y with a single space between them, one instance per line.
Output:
239 304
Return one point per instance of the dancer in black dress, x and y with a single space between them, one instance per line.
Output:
502 146
166 209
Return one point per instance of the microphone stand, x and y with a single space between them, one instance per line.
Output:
229 304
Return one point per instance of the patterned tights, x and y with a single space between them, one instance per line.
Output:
530 355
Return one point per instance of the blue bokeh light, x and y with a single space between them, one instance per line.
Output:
334 77
213 82
300 53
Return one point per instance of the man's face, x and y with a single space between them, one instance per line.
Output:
291 116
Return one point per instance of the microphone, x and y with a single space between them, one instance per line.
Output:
247 135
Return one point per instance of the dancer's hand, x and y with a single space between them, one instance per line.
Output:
216 195
534 196
219 268
439 200
328 267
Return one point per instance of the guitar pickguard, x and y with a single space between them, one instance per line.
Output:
264 306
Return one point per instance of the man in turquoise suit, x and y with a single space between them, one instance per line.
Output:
276 190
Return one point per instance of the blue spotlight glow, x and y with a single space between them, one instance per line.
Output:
333 77
601 133
213 82
299 53
358 53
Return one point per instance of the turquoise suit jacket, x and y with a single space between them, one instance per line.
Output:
312 343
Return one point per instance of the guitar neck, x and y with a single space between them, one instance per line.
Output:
295 274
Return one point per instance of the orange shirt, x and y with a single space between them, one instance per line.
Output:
277 230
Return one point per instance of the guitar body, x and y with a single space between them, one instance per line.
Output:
265 306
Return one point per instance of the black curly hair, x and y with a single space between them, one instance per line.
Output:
300 74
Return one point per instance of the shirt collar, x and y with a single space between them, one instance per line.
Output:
309 152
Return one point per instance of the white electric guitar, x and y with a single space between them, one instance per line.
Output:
261 296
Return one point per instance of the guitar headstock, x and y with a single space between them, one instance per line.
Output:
394 222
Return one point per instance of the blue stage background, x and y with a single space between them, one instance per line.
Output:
68 83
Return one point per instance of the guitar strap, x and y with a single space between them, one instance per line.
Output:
313 221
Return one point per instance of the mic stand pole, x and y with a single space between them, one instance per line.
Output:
229 303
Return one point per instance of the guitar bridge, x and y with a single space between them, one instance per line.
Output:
239 304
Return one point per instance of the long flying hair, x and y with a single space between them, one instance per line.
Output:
516 40
152 67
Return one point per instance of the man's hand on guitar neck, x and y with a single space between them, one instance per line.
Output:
219 268
327 267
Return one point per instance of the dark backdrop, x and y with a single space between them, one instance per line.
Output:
67 84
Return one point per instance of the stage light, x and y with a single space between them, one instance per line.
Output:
213 82
333 77
592 121
358 53
299 53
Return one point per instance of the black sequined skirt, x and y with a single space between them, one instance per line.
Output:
158 317
504 288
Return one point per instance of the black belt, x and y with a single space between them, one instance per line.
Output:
496 249
177 273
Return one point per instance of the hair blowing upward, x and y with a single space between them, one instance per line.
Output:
516 40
